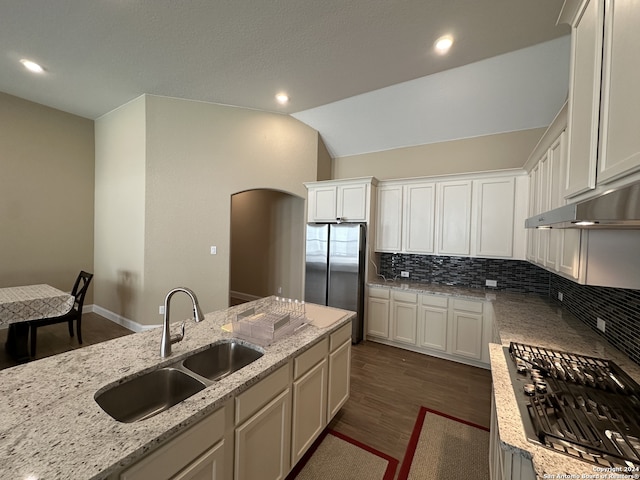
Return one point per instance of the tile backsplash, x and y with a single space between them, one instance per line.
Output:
619 308
511 275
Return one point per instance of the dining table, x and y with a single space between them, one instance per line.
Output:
22 304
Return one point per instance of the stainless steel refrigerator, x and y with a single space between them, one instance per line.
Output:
335 261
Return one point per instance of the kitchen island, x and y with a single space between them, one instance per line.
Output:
52 428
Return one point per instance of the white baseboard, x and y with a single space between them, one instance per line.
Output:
244 296
119 319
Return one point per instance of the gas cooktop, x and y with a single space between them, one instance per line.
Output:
581 406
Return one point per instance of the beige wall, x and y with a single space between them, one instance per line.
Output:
491 152
46 195
120 209
196 156
267 241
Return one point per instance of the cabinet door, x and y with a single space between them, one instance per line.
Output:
533 233
467 326
494 214
418 218
352 202
210 466
619 120
454 217
542 205
378 317
389 227
262 443
322 204
339 378
405 322
569 258
556 160
434 327
309 409
584 98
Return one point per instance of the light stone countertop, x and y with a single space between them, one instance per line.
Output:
534 320
52 428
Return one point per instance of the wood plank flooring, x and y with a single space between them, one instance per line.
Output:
54 339
388 386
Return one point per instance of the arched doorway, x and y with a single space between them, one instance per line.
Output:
267 245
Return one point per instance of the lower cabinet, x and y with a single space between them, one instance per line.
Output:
505 464
198 453
448 327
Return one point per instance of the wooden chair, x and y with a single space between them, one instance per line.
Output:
79 291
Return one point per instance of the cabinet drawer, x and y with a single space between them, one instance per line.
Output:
306 360
379 293
180 451
338 338
467 305
405 297
434 301
253 399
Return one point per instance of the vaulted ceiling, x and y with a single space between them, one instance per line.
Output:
98 55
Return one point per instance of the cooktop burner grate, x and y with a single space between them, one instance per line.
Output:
589 408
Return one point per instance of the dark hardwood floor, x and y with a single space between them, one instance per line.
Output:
54 339
388 386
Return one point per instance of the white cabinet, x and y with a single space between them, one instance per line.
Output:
454 217
198 453
378 312
263 429
404 317
433 323
309 399
452 328
604 145
467 329
494 200
584 97
339 371
620 122
419 218
389 219
347 200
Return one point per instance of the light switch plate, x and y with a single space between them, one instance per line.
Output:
214 250
491 283
601 325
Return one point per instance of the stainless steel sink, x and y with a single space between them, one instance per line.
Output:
221 359
149 394
156 391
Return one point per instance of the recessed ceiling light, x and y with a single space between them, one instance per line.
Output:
282 98
443 44
31 66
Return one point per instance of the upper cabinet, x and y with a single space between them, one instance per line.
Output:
463 215
340 200
604 99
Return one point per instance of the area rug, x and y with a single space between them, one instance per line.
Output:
444 447
335 456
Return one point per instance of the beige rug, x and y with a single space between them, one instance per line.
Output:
335 456
443 447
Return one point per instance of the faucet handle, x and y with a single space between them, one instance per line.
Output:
180 336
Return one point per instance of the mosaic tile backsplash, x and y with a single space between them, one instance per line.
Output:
512 275
619 308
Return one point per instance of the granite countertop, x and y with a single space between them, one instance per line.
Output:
534 320
51 427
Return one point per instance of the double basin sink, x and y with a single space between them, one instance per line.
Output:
156 391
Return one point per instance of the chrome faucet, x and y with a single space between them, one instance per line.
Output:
167 338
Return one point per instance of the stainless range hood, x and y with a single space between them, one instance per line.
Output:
615 209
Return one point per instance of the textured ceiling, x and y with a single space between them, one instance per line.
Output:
99 54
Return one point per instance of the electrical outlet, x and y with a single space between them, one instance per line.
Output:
404 274
279 290
601 325
214 250
161 310
560 296
491 283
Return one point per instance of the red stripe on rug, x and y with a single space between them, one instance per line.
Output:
389 473
403 474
